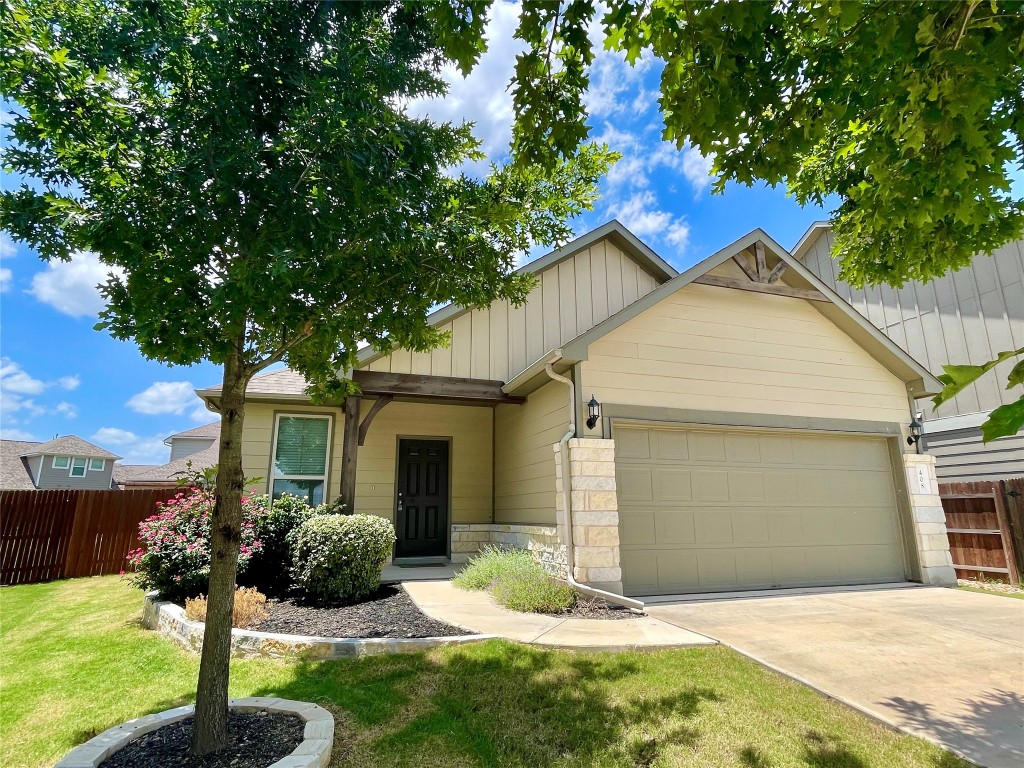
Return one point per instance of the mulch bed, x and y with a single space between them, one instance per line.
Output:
257 740
596 608
388 612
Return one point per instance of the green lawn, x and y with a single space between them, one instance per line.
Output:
982 590
74 660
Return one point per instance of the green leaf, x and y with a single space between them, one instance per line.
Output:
958 377
1003 421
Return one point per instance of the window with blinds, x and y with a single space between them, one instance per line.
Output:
301 444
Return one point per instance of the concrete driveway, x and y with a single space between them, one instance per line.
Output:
944 664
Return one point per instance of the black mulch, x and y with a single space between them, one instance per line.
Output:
596 608
388 612
257 740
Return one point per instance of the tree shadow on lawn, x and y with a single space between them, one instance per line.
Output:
496 705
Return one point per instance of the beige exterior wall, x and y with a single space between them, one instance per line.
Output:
468 428
500 341
524 481
720 349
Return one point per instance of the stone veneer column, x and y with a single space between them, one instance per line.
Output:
929 521
595 511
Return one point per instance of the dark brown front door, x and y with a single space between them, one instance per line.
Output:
422 513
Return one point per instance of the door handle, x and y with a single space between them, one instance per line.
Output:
399 502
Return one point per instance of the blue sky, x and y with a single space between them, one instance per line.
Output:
59 376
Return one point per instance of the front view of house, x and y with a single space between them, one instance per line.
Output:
735 426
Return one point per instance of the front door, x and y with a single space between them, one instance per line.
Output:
421 516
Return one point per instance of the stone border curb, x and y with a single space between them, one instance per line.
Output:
169 619
313 752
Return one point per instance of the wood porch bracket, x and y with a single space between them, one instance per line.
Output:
376 408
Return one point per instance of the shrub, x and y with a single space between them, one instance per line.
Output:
533 591
249 610
485 568
339 558
174 558
277 526
517 581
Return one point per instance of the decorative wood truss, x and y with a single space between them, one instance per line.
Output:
760 278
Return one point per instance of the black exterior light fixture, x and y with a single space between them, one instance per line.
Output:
916 430
594 409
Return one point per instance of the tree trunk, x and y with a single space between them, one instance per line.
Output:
210 730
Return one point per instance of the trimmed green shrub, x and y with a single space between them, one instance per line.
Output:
533 591
339 558
277 527
517 581
491 563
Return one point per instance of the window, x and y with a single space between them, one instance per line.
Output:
97 465
300 456
77 467
61 462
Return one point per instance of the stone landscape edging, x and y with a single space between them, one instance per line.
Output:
314 751
170 620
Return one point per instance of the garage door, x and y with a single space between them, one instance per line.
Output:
704 510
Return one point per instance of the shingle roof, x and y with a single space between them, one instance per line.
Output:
70 445
286 382
207 430
14 474
170 472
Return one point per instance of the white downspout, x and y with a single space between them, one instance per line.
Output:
563 454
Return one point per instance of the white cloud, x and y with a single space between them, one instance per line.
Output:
642 216
67 409
13 378
7 433
134 449
164 397
7 246
14 403
71 287
483 98
6 278
69 382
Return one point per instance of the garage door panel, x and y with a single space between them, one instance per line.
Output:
718 509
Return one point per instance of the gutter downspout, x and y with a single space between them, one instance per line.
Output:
570 558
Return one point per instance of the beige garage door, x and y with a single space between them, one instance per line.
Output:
704 510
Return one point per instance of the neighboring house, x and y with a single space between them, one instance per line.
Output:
964 318
752 429
64 462
194 449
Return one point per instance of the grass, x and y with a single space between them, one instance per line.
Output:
516 581
74 661
984 591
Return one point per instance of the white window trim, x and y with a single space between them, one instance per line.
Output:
55 465
327 458
102 465
85 467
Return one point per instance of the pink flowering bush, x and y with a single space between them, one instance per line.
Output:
175 557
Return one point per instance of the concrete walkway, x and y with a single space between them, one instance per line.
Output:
478 612
944 664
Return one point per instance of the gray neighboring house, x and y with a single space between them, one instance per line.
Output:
64 462
966 317
198 446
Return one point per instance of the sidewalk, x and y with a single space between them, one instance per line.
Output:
477 611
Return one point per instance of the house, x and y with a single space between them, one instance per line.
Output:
734 426
964 318
193 449
64 462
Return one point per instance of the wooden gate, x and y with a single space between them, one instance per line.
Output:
981 536
46 535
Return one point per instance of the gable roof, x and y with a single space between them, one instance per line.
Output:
206 430
613 230
14 473
169 473
918 379
70 445
285 384
807 238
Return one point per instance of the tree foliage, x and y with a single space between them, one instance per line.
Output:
910 113
251 175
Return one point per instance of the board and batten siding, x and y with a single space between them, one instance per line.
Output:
963 318
718 349
524 461
468 428
502 340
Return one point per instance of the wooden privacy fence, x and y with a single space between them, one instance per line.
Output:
47 535
985 523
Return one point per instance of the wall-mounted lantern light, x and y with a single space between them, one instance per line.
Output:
594 409
916 429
